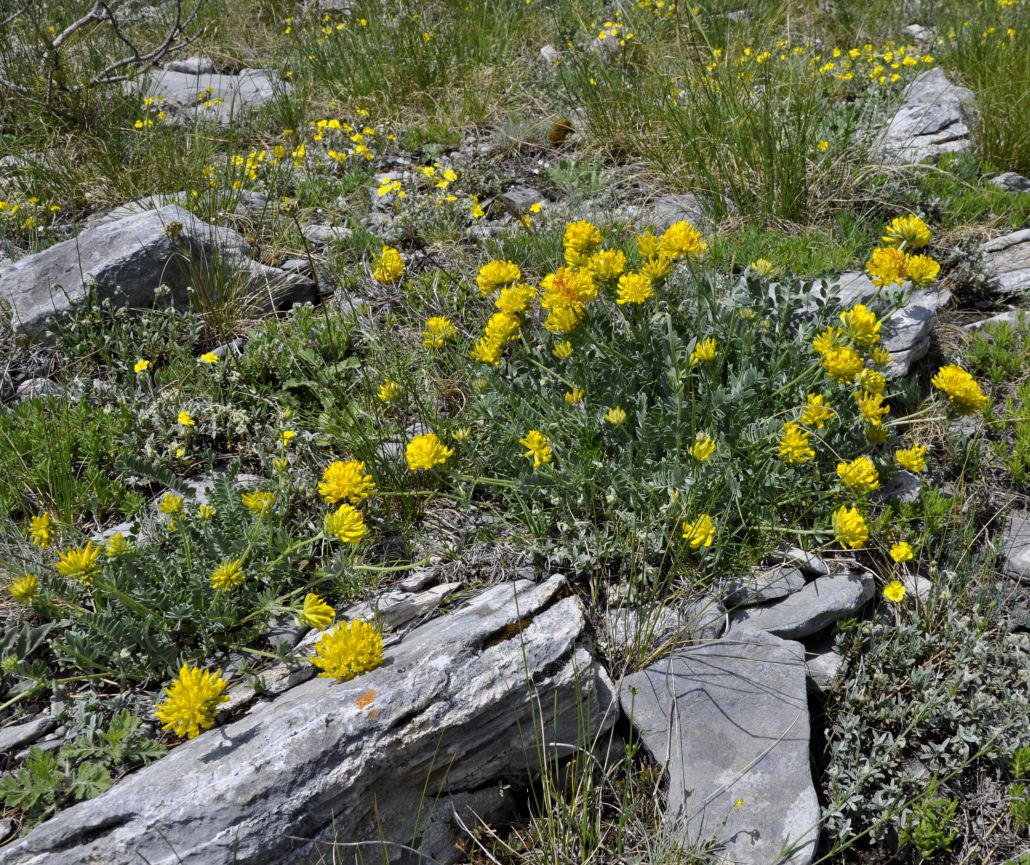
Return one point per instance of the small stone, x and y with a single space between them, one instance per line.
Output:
6 829
25 734
917 586
933 120
820 603
192 66
672 208
1006 262
285 634
630 628
822 670
324 234
1012 182
809 563
208 97
33 388
519 199
296 265
1011 317
920 34
903 488
549 54
763 584
1014 547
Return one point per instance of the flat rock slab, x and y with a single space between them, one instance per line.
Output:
763 584
186 96
13 738
633 628
729 721
932 120
819 604
1006 262
450 717
1015 547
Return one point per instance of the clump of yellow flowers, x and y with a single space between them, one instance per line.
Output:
191 701
892 263
349 649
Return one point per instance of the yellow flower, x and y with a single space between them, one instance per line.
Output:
348 650
567 287
345 524
286 437
700 532
23 589
208 357
902 552
40 530
538 448
206 511
871 406
913 459
828 340
764 267
656 268
861 325
582 237
171 504
258 501
563 319
842 364
894 591
616 416
681 240
880 356
563 350
633 288
702 449
185 419
346 480
607 264
876 433
439 330
815 413
486 351
794 446
887 266
141 365
823 145
496 274
389 390
117 545
389 267
191 701
963 391
921 269
648 245
859 475
79 563
849 527
704 351
316 613
228 575
908 230
871 380
575 396
280 464
515 299
425 451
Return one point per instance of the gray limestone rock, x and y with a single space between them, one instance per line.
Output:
1015 547
672 208
1010 316
806 562
932 120
519 199
903 488
822 669
763 584
245 202
192 66
629 628
729 721
820 603
445 723
323 234
37 387
1012 182
127 260
13 738
1006 262
208 97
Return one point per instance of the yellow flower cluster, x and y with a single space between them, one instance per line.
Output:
345 524
537 446
892 263
439 329
961 388
349 649
859 475
425 451
191 701
794 444
228 575
389 267
24 588
79 563
699 532
346 480
315 613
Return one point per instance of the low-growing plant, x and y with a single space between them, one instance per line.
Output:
928 824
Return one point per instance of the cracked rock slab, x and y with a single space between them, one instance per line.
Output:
820 603
210 97
763 584
932 120
1006 261
449 719
729 722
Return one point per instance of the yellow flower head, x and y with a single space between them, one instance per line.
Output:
887 266
563 350
681 240
40 530
921 269
389 267
141 365
171 504
79 563
859 475
24 588
515 299
184 418
206 511
764 267
794 445
656 268
345 524
633 288
616 415
648 245
861 325
349 649
538 448
607 264
913 459
439 329
909 231
871 406
563 319
871 380
828 340
963 391
702 449
228 575
486 351
582 237
575 396
117 545
208 357
894 591
315 613
567 287
497 274
258 502
425 451
700 532
286 437
876 433
191 701
880 356
902 552
842 364
346 480
815 413
704 351
389 390
849 527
